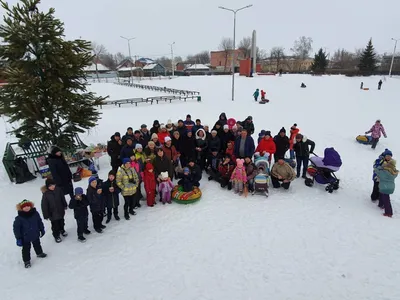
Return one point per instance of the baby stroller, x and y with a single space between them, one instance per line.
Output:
322 170
262 178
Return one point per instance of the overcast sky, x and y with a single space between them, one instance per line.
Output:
196 25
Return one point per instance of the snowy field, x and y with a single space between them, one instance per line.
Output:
300 244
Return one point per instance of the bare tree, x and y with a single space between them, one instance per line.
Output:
343 59
261 54
119 58
164 61
245 46
98 50
302 47
199 58
226 45
278 54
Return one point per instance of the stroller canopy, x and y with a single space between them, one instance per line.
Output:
332 158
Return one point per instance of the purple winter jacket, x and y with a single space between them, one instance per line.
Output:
376 131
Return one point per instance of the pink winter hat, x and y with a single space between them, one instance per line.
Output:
239 162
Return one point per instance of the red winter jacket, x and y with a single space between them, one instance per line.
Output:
266 146
149 178
162 135
226 170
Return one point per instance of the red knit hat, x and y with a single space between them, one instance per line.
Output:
25 203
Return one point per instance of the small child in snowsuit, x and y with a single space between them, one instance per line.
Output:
53 208
150 184
28 229
263 95
187 180
256 94
96 202
111 193
239 177
376 130
165 188
79 203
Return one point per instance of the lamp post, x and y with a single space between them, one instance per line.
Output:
394 53
234 43
130 56
172 59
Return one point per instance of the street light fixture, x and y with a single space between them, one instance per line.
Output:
394 53
172 59
234 43
130 56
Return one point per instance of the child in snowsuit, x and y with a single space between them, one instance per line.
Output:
239 177
111 193
53 208
28 229
384 157
376 131
79 204
256 94
387 173
165 188
263 95
187 180
96 202
150 184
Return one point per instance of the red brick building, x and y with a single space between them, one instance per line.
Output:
223 61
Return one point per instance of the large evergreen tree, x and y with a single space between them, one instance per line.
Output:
46 94
368 59
320 62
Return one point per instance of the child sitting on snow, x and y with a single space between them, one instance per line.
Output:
28 229
187 180
239 177
165 188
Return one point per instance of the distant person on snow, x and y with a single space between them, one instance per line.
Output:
303 85
379 84
362 85
256 94
263 95
376 130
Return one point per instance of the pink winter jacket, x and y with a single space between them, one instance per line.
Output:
376 131
239 174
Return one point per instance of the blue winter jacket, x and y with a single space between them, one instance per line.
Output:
249 147
386 181
28 226
127 151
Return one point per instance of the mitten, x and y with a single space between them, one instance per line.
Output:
42 233
19 243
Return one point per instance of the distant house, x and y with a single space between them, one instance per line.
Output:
198 69
181 66
100 68
152 70
222 60
126 63
141 62
126 72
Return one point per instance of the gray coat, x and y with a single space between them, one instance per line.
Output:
53 204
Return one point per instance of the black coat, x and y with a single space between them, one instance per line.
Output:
203 145
127 151
163 165
282 145
80 207
186 182
96 201
182 131
213 162
126 136
302 148
214 143
140 141
225 137
53 204
188 147
153 130
61 173
248 126
146 137
224 120
196 174
114 149
177 143
112 199
28 226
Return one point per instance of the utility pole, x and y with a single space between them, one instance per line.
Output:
172 59
394 53
234 43
130 56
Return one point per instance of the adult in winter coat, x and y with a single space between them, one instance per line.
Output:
251 172
244 145
386 156
162 134
303 147
128 134
267 145
218 127
114 147
111 193
145 134
226 136
189 123
138 139
170 150
214 142
197 126
128 150
181 128
150 151
53 208
80 205
188 150
177 141
60 171
195 171
127 181
28 229
223 119
155 128
282 174
163 164
261 135
96 202
201 148
376 130
248 125
293 132
230 150
387 173
282 144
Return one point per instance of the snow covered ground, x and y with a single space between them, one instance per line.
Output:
301 244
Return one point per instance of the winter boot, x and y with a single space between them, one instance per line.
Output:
117 217
229 186
103 226
387 215
210 178
99 230
132 212
27 264
58 239
64 233
42 255
87 231
81 239
108 220
127 217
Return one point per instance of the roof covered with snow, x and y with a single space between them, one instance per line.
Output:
150 66
100 67
146 60
128 69
197 67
